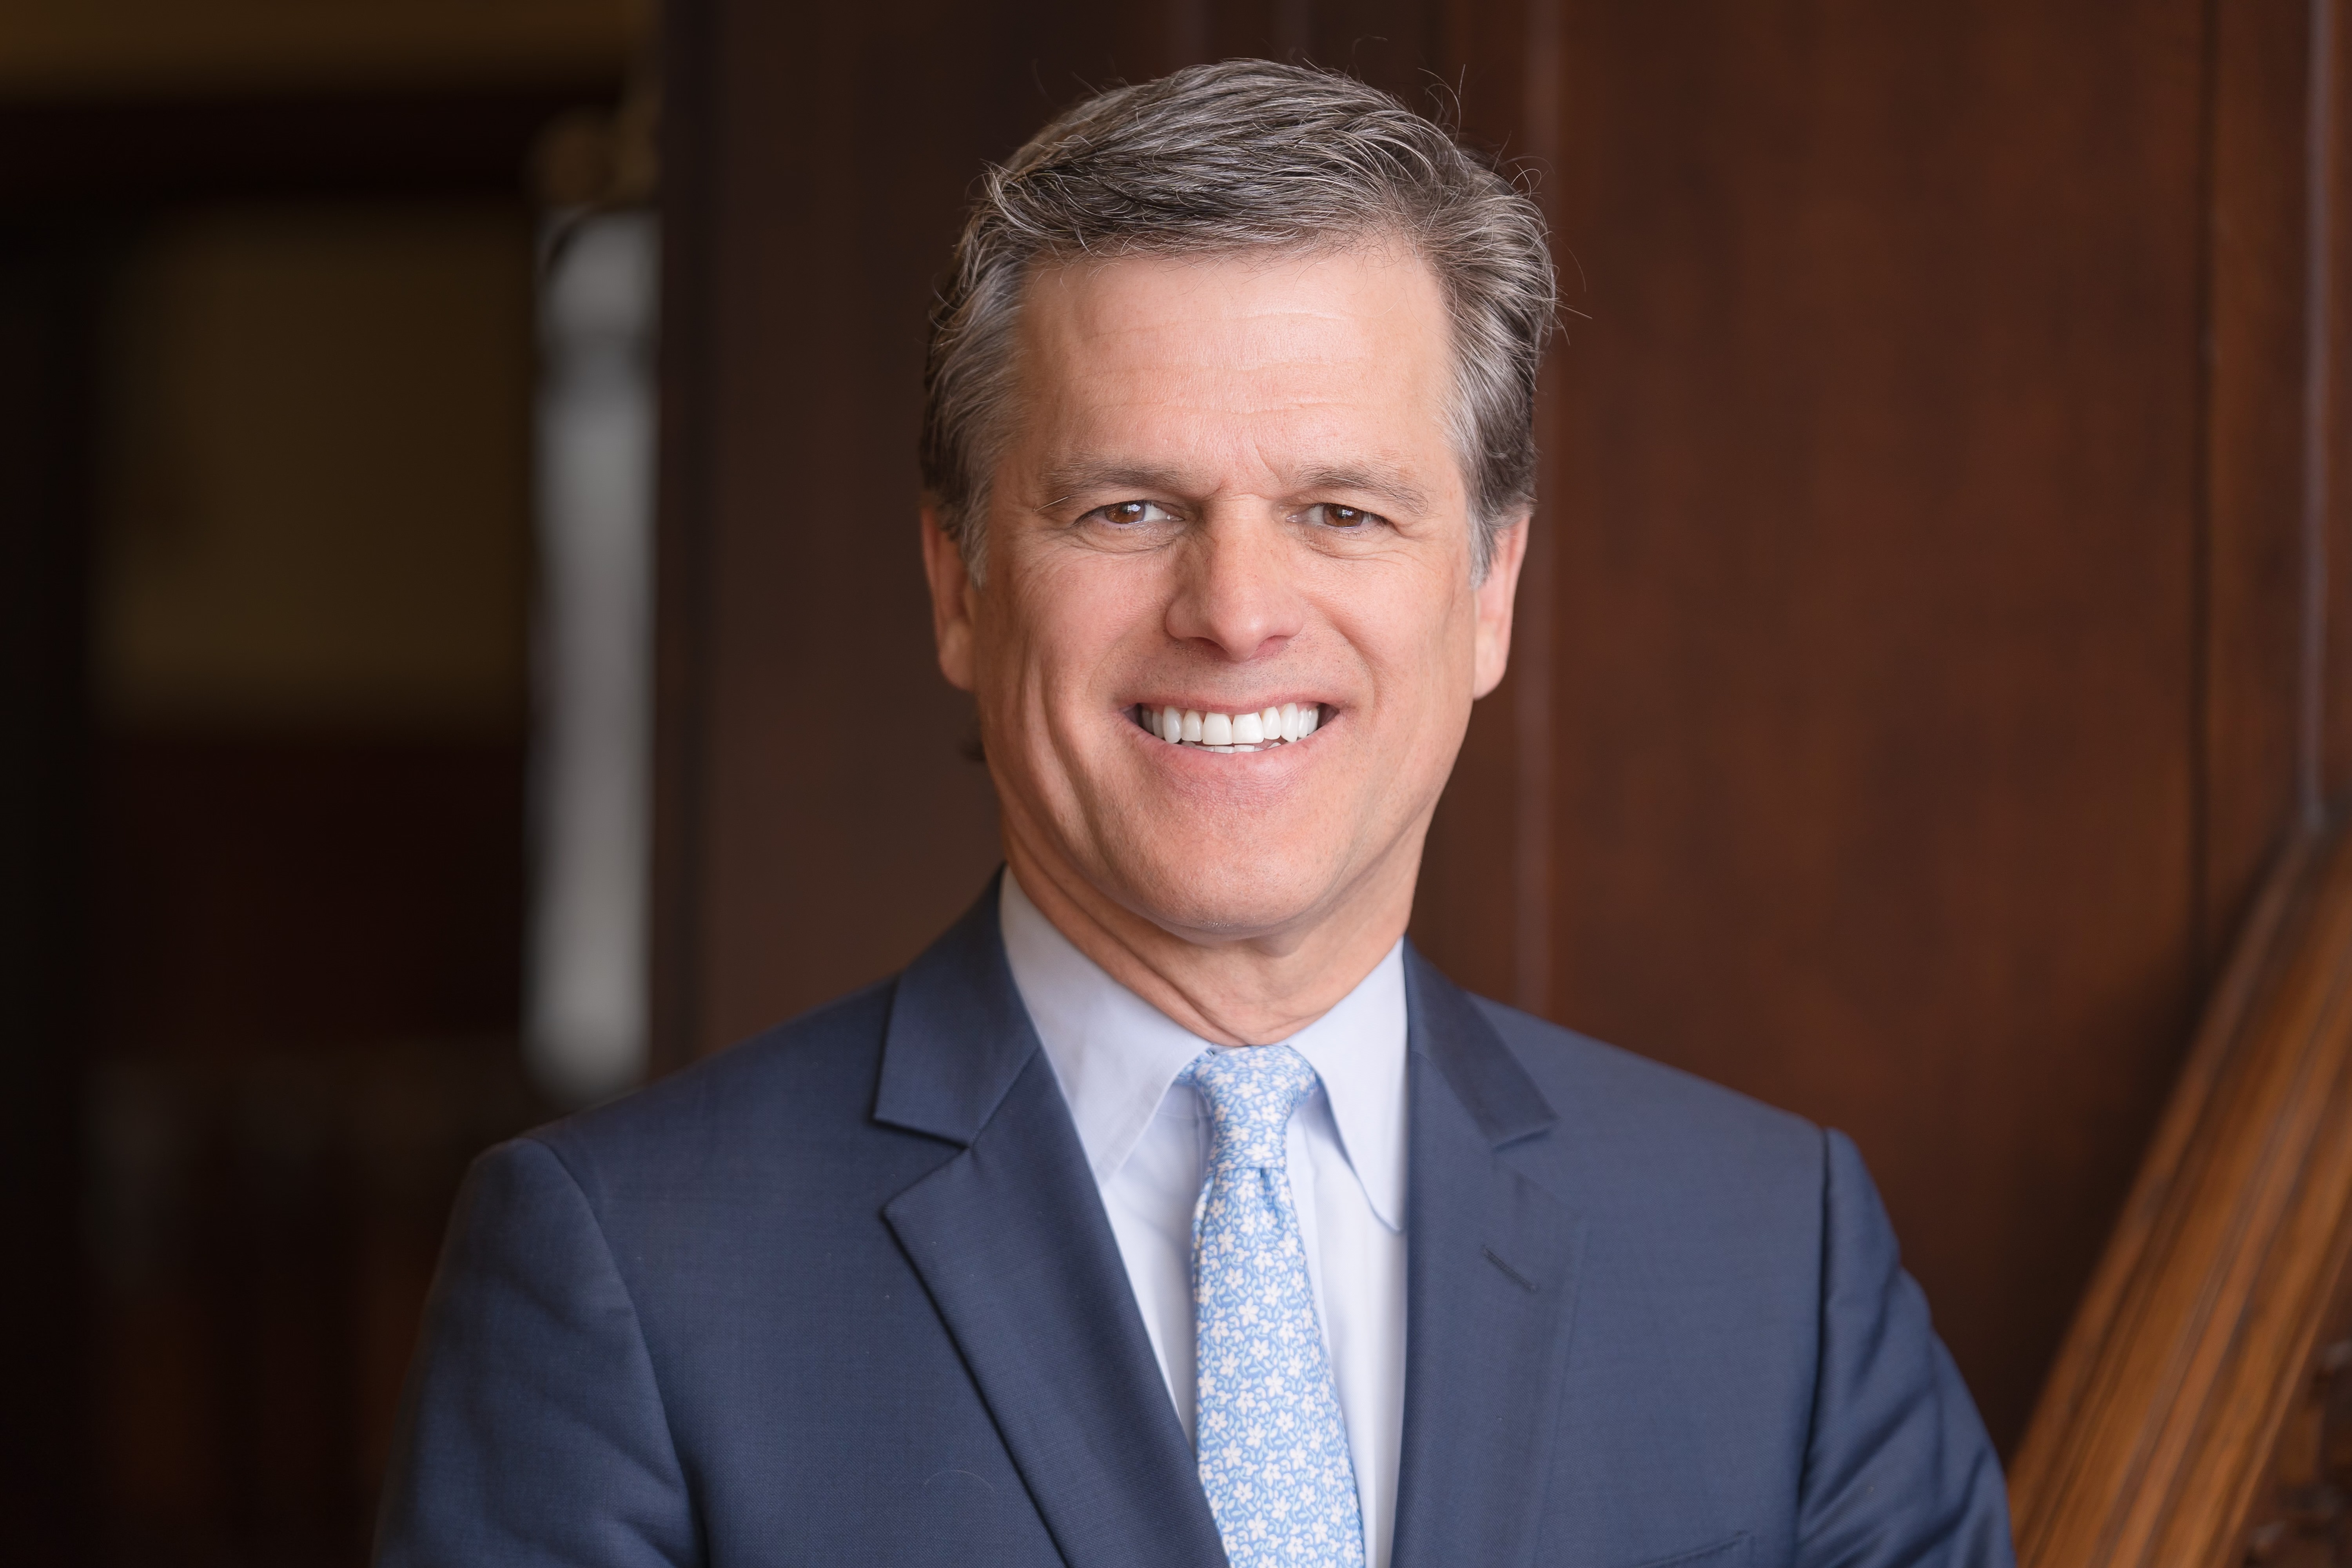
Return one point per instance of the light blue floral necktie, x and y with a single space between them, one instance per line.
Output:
1272 1446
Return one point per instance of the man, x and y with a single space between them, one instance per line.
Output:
1170 1210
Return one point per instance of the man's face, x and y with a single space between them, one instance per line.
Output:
1230 488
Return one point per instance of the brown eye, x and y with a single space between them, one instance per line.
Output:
1331 515
1131 513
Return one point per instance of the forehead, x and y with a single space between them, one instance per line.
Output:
1284 354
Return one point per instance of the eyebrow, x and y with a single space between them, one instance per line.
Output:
1383 480
1073 478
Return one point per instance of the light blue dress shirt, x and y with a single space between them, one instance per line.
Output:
1147 1139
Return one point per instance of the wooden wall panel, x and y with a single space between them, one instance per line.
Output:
820 821
1483 910
2196 1377
1877 623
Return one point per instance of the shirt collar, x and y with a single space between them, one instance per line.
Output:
1116 1055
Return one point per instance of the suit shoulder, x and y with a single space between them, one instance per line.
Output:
819 1068
1641 1109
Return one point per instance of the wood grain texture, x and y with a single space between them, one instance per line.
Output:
2155 1435
1877 626
2304 1520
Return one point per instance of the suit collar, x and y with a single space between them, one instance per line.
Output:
1491 1271
1486 1078
1010 1238
958 1036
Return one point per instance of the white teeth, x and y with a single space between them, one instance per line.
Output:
1262 731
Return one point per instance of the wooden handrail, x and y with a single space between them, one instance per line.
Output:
2186 1421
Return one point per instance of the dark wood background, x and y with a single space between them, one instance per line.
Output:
1925 642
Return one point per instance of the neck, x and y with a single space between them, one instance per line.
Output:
1235 992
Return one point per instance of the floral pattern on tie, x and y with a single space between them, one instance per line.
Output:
1272 1445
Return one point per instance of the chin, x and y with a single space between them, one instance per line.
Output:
1231 899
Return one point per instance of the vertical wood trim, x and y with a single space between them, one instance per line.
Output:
1532 879
2334 280
2205 954
2257 724
2319 238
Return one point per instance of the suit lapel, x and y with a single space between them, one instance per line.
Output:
1490 1287
1010 1240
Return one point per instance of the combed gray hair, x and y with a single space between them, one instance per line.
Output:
1239 156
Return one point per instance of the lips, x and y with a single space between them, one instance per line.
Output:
1245 732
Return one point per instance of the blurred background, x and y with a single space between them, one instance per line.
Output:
326 368
465 649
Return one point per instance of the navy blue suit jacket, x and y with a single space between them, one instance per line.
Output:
845 1294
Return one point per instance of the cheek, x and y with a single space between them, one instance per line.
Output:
1420 640
1056 630
1076 617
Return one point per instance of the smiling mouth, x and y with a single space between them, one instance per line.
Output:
1259 731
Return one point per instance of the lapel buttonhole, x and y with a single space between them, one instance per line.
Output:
1509 1273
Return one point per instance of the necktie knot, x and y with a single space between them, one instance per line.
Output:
1251 1094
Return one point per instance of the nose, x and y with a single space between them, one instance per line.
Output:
1236 594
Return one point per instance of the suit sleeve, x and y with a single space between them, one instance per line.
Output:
532 1430
1898 1469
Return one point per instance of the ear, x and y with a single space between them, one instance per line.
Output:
954 600
1495 596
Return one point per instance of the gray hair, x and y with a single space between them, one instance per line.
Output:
1239 156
